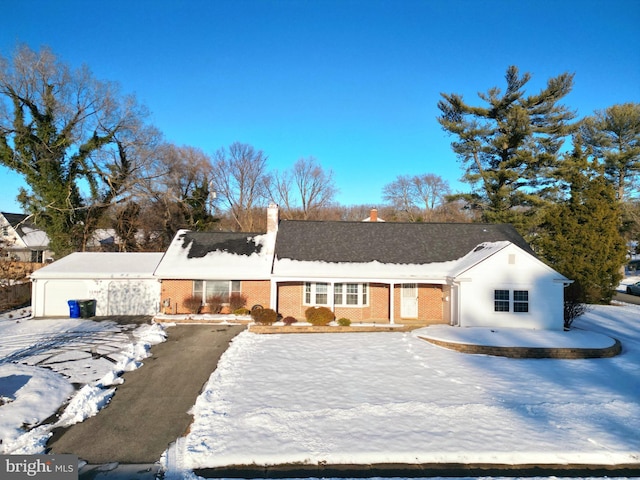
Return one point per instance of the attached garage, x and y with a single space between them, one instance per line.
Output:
120 283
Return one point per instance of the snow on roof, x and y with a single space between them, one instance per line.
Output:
32 237
388 271
477 255
102 265
486 250
218 256
433 270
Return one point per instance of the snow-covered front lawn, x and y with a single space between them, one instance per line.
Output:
340 398
392 397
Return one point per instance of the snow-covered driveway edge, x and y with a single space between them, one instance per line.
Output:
39 401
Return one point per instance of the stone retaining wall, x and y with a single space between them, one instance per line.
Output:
531 352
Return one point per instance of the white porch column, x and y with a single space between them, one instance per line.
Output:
392 304
273 294
332 297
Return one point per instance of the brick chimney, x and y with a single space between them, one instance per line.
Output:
373 216
273 218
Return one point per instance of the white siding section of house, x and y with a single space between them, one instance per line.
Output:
113 297
121 284
50 297
131 297
511 269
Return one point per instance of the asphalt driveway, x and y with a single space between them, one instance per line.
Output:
149 410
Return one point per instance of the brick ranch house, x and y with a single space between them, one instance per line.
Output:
371 272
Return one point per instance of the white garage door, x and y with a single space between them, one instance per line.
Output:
132 297
56 294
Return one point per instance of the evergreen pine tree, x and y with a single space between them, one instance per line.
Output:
508 145
581 233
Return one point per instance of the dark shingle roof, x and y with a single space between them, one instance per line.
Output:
17 221
396 243
231 242
14 219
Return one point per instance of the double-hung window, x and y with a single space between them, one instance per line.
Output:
503 301
521 301
344 294
316 293
211 288
350 294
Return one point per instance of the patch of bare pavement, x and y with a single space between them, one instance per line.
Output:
149 410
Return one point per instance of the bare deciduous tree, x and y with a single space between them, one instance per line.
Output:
417 198
304 191
238 176
175 193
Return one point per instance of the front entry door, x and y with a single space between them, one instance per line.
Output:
409 303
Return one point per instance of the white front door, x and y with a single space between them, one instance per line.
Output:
409 302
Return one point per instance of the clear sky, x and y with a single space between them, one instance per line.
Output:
353 83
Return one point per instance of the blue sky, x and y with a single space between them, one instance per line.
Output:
353 83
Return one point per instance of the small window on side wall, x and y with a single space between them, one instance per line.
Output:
501 300
521 301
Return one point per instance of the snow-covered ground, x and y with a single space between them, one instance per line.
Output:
392 397
70 363
340 398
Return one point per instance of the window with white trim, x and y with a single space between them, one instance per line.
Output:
210 288
503 301
316 293
521 301
350 294
344 294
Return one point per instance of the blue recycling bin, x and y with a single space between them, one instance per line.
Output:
74 308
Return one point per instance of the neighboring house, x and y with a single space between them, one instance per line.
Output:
22 240
108 240
374 272
373 216
121 284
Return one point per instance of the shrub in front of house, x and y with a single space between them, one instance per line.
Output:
264 316
192 303
344 322
237 300
241 311
319 316
289 320
215 303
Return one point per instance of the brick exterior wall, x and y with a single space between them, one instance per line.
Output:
379 302
258 292
175 291
430 305
290 301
